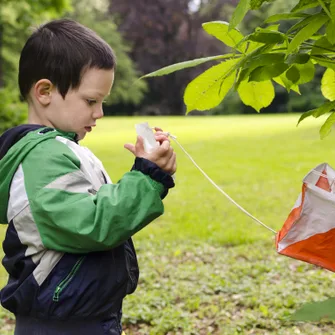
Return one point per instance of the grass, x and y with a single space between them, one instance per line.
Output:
206 268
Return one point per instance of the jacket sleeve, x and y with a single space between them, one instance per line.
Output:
73 217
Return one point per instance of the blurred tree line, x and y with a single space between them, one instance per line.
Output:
146 36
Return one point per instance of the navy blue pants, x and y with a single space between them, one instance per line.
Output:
30 326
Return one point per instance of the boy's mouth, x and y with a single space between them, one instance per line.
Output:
88 129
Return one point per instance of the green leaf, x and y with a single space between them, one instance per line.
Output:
256 4
251 46
219 29
332 10
293 74
253 61
272 27
316 311
322 46
184 65
239 13
299 25
255 47
305 4
263 73
323 109
285 16
324 131
264 59
208 89
284 82
325 8
298 59
330 32
256 94
306 32
267 37
307 72
328 84
325 61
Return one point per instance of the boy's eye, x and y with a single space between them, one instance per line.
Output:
91 102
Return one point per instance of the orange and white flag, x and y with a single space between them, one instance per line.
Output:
308 233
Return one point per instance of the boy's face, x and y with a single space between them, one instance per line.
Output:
82 107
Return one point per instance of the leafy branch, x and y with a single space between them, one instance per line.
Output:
266 56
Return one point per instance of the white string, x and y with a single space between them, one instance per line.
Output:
218 188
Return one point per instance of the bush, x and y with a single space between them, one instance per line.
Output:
12 111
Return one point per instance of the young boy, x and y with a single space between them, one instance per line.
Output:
68 247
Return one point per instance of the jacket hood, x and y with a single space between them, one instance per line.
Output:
15 144
13 135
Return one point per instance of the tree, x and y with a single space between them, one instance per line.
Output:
286 56
162 33
127 90
15 19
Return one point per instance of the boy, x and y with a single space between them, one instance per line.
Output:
68 247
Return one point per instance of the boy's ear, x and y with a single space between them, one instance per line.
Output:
43 91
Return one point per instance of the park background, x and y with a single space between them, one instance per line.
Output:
206 268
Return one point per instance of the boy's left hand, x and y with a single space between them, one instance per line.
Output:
163 156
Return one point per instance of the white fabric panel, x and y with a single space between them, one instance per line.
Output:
18 199
19 212
75 182
298 202
317 216
48 261
89 164
28 233
314 175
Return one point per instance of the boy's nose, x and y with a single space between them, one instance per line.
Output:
98 113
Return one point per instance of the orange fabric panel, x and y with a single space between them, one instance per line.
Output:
292 218
323 182
318 250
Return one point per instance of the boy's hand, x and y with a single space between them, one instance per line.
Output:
164 155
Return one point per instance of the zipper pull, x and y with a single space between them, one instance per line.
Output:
56 293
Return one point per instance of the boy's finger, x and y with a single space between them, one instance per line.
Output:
161 138
165 145
130 147
171 166
162 132
139 146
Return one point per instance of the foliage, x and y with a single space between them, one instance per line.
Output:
161 33
126 90
16 21
268 54
12 112
323 310
16 17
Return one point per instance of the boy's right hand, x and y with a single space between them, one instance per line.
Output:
164 155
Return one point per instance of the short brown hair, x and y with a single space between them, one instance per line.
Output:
61 50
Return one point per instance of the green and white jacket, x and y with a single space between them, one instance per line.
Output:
67 248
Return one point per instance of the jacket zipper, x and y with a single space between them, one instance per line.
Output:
65 282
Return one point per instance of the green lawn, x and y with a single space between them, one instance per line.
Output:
206 268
